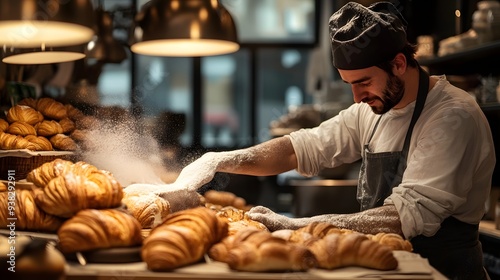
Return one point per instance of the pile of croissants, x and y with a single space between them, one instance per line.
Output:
84 206
41 125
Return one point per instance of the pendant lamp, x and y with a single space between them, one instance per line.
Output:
189 28
104 47
30 56
45 23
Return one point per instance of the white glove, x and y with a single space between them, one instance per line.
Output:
198 173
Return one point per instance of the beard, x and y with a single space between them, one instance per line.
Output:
392 94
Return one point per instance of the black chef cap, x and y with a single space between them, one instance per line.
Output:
366 36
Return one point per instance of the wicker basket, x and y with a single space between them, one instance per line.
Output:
22 165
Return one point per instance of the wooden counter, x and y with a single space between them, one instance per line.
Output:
411 266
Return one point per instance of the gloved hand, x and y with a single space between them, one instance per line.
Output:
198 173
270 219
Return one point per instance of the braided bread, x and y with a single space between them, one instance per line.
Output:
21 128
48 128
51 108
29 215
22 113
3 125
92 229
63 142
65 195
182 239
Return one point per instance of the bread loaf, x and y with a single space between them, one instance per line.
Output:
92 229
337 250
182 239
28 215
22 113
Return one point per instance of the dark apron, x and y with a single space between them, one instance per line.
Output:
454 250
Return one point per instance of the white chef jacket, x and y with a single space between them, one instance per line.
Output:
450 161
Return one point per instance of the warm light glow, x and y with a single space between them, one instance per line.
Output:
174 5
457 13
194 31
30 34
203 15
184 47
43 57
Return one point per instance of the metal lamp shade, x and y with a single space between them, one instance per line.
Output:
33 56
45 23
184 28
104 47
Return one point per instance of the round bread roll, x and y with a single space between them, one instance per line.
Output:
21 128
48 128
22 113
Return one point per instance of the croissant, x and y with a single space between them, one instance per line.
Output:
257 251
74 113
69 193
63 142
320 229
86 122
28 102
48 128
51 108
67 125
10 142
225 199
42 175
22 113
182 239
39 143
337 250
149 209
92 229
21 128
28 215
3 125
394 241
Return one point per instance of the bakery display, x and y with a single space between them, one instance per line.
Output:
182 239
92 229
28 215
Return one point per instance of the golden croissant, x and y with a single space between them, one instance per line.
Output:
92 229
21 128
225 199
3 125
28 102
51 108
67 125
48 128
11 142
149 209
28 216
73 113
337 250
39 143
182 239
42 175
22 113
393 240
69 193
63 142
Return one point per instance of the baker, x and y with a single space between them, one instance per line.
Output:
426 147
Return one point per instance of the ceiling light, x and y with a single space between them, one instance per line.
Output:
184 28
104 47
45 23
27 56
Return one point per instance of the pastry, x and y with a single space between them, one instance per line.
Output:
3 125
393 240
148 208
39 143
28 102
74 113
21 128
67 125
63 142
92 229
225 199
27 213
51 108
12 142
22 113
42 175
48 128
182 239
